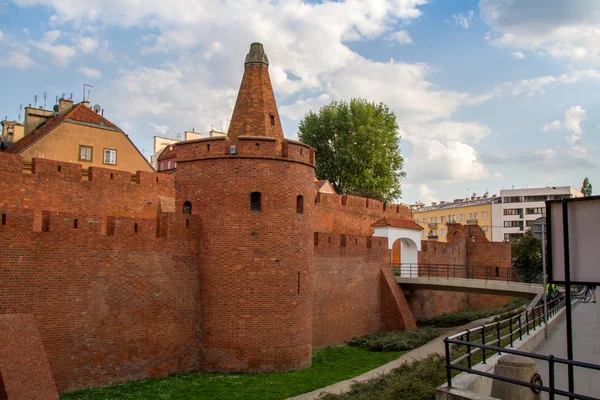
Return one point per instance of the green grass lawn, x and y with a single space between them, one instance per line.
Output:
330 365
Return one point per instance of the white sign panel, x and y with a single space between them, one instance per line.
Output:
584 240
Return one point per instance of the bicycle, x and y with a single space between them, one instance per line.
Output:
584 294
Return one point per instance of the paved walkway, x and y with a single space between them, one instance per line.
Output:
586 346
434 347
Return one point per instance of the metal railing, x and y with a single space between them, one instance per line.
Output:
451 271
489 339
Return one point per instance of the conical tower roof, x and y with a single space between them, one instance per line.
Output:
255 112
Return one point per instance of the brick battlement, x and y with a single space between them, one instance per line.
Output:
57 186
167 225
246 146
60 170
352 214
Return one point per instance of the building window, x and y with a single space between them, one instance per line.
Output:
187 207
442 219
513 211
255 201
442 232
483 215
536 210
462 217
513 224
169 164
529 224
300 205
85 153
512 199
110 156
272 120
535 198
424 220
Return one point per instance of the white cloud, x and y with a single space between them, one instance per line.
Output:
552 126
17 60
454 161
50 37
573 118
568 30
87 45
572 123
26 32
91 73
401 37
426 194
447 130
518 54
61 54
162 129
465 21
300 108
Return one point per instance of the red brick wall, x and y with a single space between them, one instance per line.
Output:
112 304
49 189
256 268
353 215
24 369
349 290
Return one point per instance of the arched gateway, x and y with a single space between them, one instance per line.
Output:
404 238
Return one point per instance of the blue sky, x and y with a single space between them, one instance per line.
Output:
489 94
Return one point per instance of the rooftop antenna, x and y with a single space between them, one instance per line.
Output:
84 86
35 101
56 102
20 109
97 108
71 98
178 135
44 100
221 126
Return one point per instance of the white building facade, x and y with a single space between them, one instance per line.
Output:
518 208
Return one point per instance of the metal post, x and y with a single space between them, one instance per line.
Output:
498 335
521 326
483 343
469 348
545 280
511 332
448 370
567 262
551 382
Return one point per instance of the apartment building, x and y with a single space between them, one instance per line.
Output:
518 208
476 210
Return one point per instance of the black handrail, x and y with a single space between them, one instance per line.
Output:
453 271
473 347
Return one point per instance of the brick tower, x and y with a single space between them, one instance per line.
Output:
253 191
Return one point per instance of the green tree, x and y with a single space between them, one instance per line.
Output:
527 256
586 189
357 147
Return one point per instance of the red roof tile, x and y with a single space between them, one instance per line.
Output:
79 113
398 223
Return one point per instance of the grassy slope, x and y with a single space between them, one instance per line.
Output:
330 365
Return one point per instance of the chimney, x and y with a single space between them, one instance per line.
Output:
64 105
86 103
34 117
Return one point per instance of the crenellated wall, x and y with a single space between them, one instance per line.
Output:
353 215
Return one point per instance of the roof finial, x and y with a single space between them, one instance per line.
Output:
256 56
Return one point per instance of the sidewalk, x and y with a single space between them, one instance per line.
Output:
434 347
586 348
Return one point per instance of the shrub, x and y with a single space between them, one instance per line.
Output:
395 340
416 381
465 316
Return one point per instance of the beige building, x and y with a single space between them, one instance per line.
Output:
476 211
12 131
77 134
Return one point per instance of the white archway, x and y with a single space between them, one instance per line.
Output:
409 235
